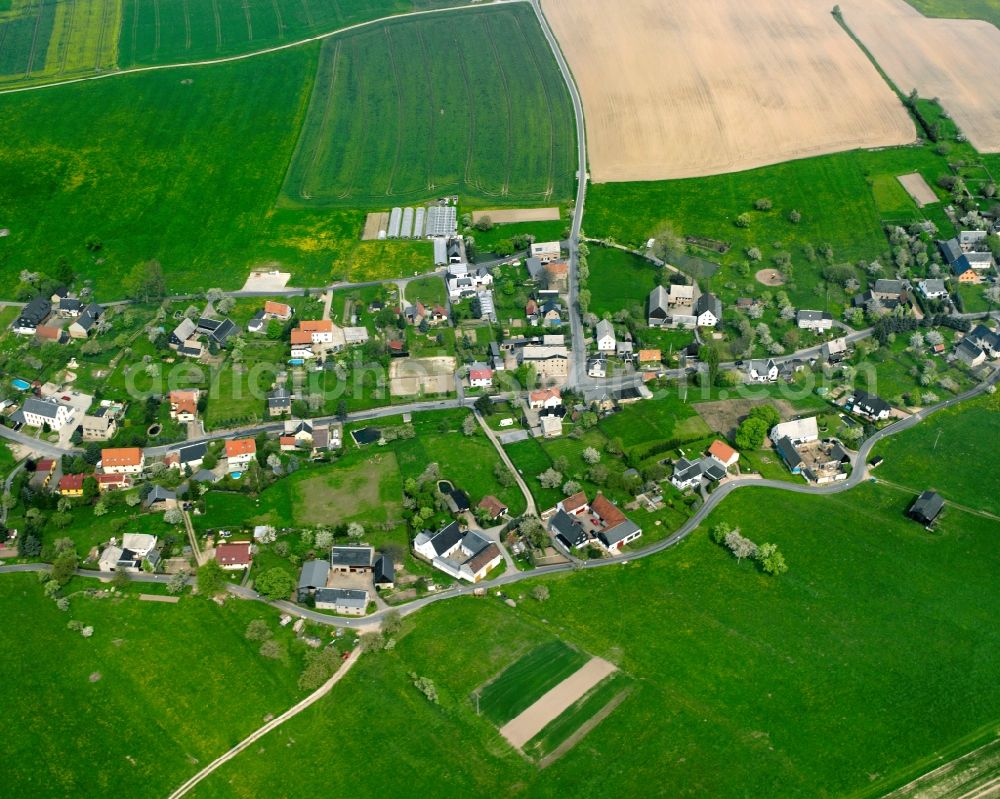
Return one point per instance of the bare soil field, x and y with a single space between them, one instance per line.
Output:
411 376
724 416
770 277
951 59
676 89
534 719
374 222
267 280
918 189
503 216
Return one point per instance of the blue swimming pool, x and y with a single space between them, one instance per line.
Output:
236 475
19 384
296 361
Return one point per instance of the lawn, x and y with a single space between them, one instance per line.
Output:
620 281
988 10
527 679
667 416
946 453
428 290
369 491
740 680
72 705
843 200
407 111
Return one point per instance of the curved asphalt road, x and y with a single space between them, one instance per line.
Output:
858 476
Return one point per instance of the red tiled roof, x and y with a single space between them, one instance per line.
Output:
72 482
301 337
722 451
240 446
575 502
184 401
481 374
317 326
649 356
122 456
236 553
544 394
278 308
608 512
45 465
492 505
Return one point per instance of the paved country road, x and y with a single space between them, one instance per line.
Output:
858 476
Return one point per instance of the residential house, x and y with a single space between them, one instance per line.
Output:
100 426
464 281
160 499
708 310
312 577
351 559
45 469
71 485
724 454
568 531
279 402
442 544
871 407
545 251
616 530
189 456
122 460
70 307
926 508
680 294
650 357
481 563
184 405
52 334
597 367
384 572
234 555
986 340
181 334
624 350
798 431
551 363
551 426
688 474
277 310
964 271
658 312
605 336
544 399
86 321
480 376
257 322
933 289
972 240
835 351
950 250
31 316
216 331
814 320
112 482
492 507
37 412
550 313
346 601
240 452
889 290
762 371
575 505
789 454
969 353
557 276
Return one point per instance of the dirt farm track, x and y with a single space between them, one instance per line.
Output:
675 89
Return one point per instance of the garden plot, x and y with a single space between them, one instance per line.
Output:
916 186
676 89
943 58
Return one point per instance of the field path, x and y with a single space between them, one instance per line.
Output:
536 717
244 56
293 711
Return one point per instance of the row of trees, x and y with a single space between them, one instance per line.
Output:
767 556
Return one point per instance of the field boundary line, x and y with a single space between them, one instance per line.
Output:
187 25
34 40
549 116
505 188
208 62
293 711
584 729
399 111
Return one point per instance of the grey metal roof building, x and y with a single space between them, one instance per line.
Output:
406 229
395 222
442 220
419 220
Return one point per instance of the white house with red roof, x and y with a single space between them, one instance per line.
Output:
480 376
240 452
724 454
234 556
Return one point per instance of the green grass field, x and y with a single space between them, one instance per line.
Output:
843 199
527 679
988 10
740 680
946 453
133 710
620 281
411 110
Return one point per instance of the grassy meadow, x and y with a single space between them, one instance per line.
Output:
157 692
410 110
988 10
844 201
740 680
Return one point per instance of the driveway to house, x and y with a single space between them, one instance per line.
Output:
532 509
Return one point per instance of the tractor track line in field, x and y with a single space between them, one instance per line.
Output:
105 13
317 149
551 184
470 148
68 35
433 105
278 17
249 18
505 189
135 27
187 25
34 41
308 12
256 53
365 121
156 27
399 112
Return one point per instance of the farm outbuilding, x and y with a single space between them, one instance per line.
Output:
419 220
406 231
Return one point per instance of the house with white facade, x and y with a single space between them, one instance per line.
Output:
798 431
762 371
37 412
814 320
605 336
